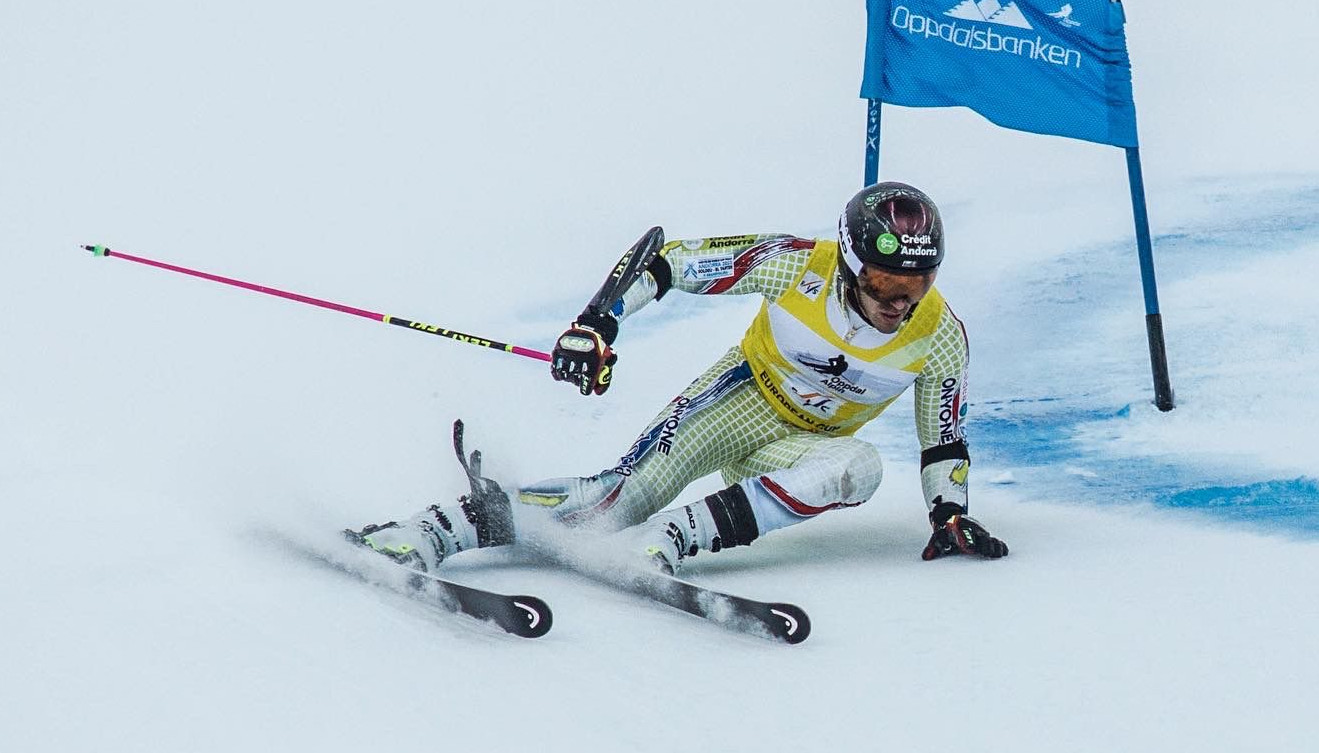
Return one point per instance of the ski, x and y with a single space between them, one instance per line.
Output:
521 615
785 622
627 271
775 620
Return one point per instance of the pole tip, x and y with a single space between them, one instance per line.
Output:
96 250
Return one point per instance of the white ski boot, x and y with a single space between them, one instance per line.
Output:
480 519
720 521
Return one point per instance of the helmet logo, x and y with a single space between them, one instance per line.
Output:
887 243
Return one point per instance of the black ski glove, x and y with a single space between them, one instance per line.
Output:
955 533
582 354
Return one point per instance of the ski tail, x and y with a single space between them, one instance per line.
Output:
627 271
518 614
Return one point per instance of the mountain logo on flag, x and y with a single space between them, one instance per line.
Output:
990 11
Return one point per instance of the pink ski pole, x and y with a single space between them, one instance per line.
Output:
386 318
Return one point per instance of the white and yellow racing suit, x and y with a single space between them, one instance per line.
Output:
776 414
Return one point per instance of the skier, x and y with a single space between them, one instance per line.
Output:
846 327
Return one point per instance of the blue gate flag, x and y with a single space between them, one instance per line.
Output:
1057 67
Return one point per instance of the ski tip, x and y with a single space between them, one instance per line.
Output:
96 250
796 625
533 617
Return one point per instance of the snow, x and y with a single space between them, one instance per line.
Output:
479 168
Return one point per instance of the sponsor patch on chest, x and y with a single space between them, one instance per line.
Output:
811 285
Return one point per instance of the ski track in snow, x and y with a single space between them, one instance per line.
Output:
141 612
1109 627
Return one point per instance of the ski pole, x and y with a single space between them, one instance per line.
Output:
386 318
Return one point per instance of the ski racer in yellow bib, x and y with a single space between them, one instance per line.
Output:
846 327
791 345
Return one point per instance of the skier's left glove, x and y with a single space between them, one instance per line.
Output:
955 533
582 354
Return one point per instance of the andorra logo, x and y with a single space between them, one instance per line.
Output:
992 12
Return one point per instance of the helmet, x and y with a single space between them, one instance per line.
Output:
890 225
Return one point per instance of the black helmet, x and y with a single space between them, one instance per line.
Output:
890 225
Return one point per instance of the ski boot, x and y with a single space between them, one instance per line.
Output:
481 518
665 545
421 542
720 521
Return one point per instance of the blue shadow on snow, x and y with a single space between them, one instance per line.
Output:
1041 448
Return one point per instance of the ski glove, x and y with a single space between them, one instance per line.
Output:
582 354
955 533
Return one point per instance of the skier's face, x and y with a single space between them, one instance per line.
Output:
886 299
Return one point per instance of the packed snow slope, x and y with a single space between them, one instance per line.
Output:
480 168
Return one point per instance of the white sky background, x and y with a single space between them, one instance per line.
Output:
479 166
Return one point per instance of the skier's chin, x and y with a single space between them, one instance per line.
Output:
887 323
888 327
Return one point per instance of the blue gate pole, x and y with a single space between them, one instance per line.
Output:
872 142
1163 397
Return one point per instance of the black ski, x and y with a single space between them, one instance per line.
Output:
785 622
522 615
627 271
526 616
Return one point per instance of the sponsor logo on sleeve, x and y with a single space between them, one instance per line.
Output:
951 411
728 241
959 474
715 267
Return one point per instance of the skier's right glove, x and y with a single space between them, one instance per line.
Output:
955 533
582 354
